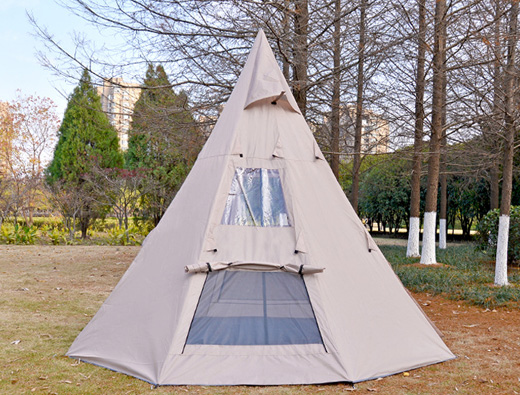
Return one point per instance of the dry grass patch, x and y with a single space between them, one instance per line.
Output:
49 293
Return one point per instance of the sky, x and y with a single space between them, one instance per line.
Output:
19 66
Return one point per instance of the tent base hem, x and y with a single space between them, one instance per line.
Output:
263 385
115 370
403 371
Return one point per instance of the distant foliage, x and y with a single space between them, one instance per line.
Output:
488 233
85 137
86 140
385 191
16 234
468 200
164 141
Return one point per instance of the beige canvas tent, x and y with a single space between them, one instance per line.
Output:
260 272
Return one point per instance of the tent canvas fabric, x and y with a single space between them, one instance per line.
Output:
260 272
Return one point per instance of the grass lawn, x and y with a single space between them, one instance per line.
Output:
49 293
463 273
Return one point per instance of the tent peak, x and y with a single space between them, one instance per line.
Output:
266 80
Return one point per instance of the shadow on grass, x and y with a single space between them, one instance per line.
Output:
466 274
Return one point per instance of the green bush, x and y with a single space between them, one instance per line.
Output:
51 230
57 236
51 222
16 234
465 275
118 236
487 235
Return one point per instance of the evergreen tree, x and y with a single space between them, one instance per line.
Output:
163 139
85 140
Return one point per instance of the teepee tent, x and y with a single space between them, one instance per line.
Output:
260 272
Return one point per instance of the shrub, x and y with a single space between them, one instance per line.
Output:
49 222
487 234
465 275
19 234
118 236
57 236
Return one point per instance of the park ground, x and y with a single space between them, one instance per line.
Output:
49 293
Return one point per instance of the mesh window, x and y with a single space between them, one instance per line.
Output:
254 308
256 199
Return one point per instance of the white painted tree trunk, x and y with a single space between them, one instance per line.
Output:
501 258
428 243
442 234
413 238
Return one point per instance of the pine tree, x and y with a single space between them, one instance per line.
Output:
163 139
85 140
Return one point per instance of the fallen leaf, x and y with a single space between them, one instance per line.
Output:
406 374
372 389
43 378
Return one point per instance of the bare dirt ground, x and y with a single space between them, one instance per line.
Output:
47 294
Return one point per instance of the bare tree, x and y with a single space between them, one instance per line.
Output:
336 90
300 53
415 198
495 119
428 249
36 124
119 189
69 202
359 106
510 120
29 125
443 177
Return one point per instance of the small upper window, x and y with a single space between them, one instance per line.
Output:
256 199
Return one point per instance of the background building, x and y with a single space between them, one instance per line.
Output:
375 132
117 100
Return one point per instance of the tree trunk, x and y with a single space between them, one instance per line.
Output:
494 182
428 249
494 186
415 198
336 85
286 66
443 213
509 137
300 53
83 223
126 230
356 165
443 217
